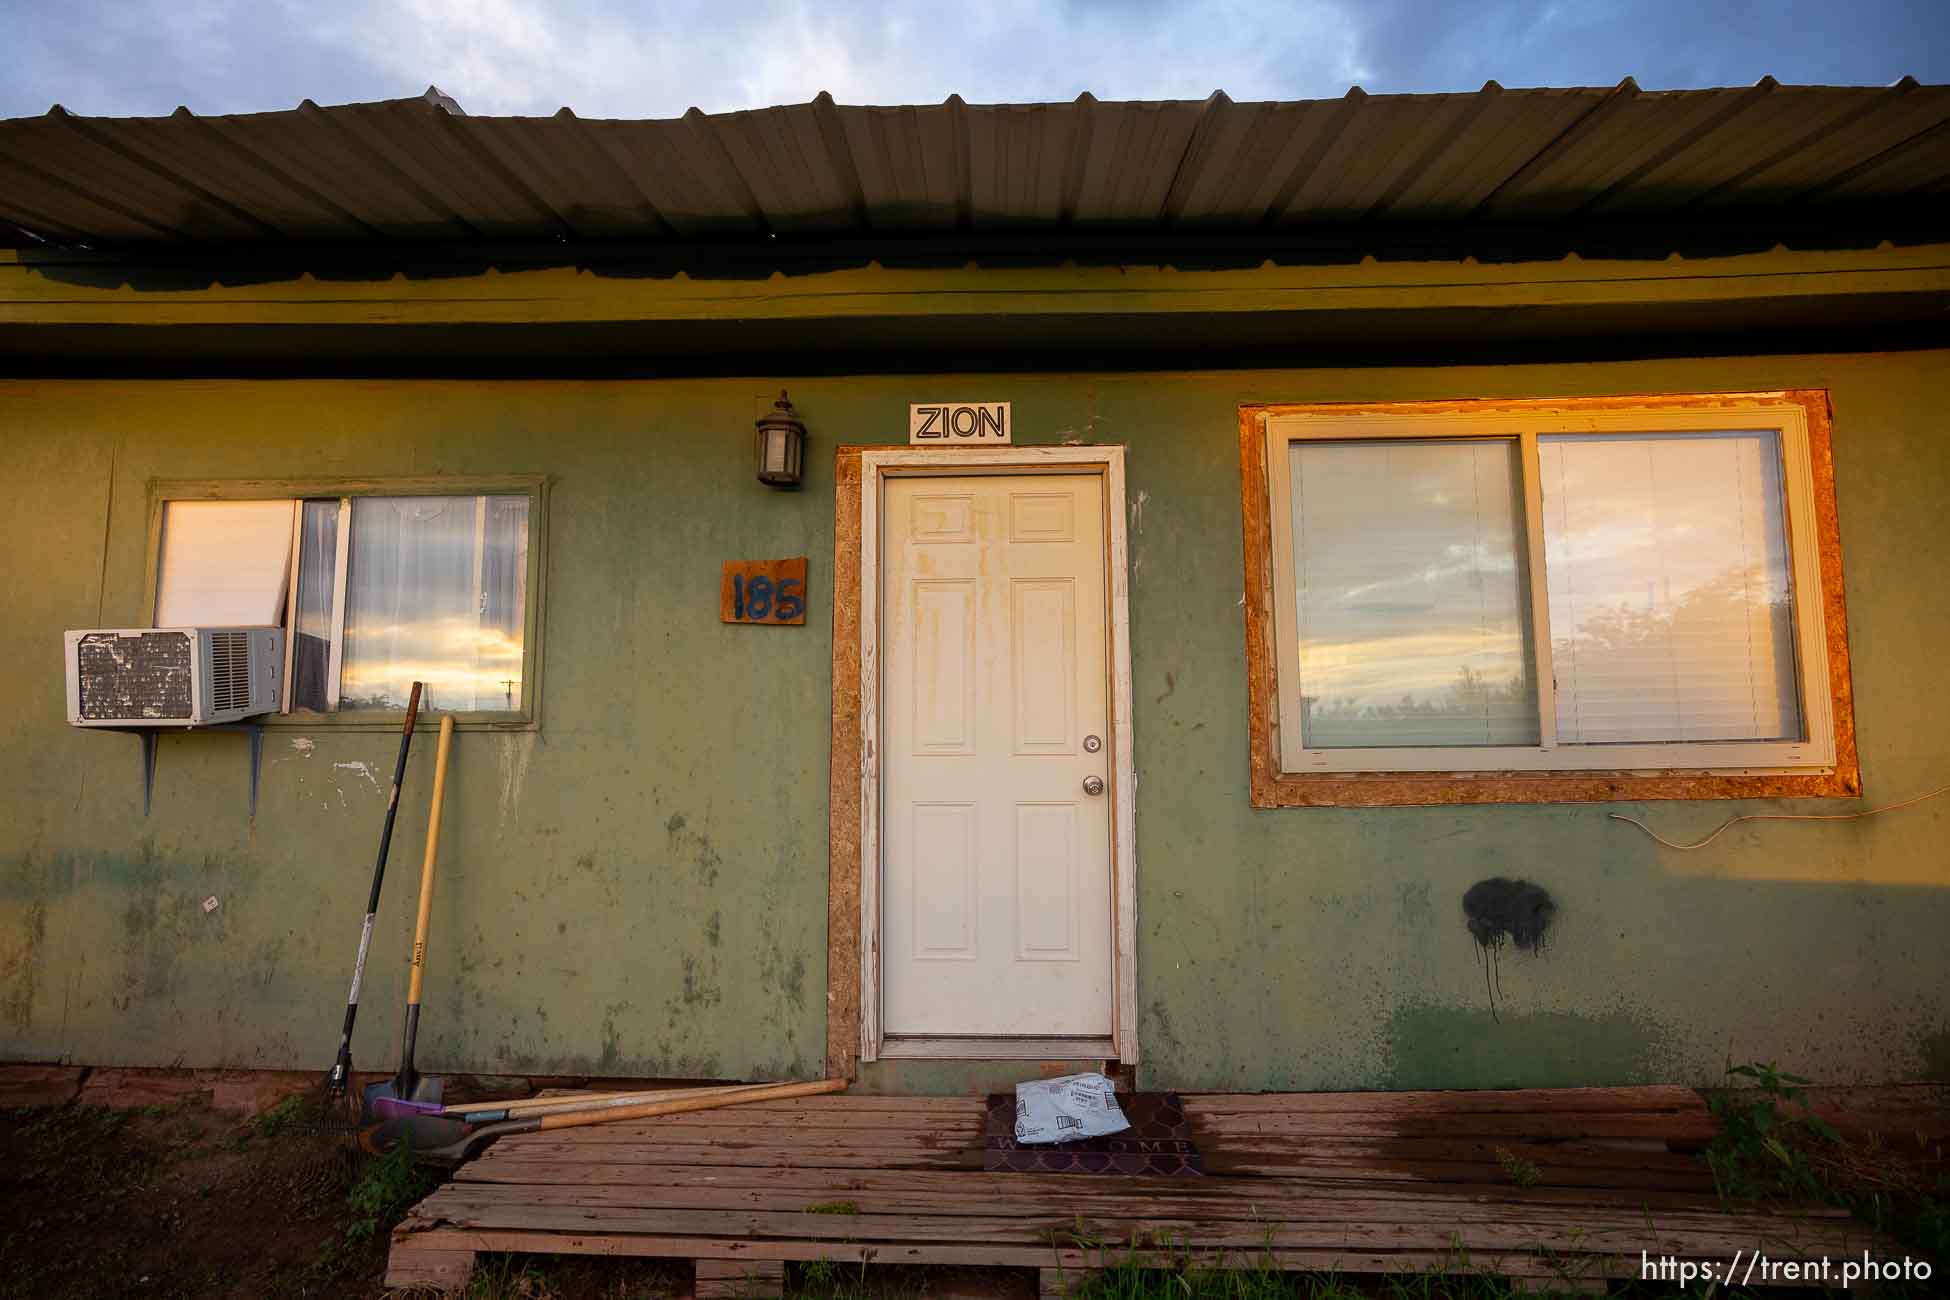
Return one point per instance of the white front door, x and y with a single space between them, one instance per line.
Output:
995 758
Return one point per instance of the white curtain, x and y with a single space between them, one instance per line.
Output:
311 637
1412 619
224 563
1671 617
435 592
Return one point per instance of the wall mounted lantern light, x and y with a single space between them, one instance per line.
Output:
781 445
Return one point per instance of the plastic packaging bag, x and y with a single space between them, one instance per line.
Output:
1067 1109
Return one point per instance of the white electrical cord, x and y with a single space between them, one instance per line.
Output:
1778 817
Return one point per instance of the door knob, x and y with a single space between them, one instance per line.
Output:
1093 785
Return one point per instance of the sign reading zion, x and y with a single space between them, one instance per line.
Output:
964 422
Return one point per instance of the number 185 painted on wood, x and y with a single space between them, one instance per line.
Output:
763 591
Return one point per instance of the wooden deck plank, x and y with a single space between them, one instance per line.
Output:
1527 1100
1331 1260
1506 1128
1782 1238
1639 1200
1266 1165
797 1139
1618 1153
1373 1205
1593 1152
1393 1153
1667 1125
676 1181
1343 1182
422 1264
1484 1151
1410 1178
652 1153
475 1197
1572 1125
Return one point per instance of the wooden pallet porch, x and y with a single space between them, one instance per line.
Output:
1347 1182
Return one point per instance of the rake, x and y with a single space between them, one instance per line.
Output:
339 1106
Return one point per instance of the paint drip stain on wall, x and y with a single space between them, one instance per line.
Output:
357 766
1499 911
516 750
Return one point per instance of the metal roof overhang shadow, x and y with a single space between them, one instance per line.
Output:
416 186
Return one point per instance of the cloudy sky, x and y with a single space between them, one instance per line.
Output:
612 58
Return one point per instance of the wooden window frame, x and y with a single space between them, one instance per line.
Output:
1814 544
528 717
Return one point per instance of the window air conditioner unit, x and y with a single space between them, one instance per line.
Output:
172 676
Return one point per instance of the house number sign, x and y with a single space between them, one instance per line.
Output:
763 591
958 423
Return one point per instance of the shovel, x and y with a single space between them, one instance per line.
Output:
408 1085
437 1140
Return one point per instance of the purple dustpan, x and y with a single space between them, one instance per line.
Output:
403 1107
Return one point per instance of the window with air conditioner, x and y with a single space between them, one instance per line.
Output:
1531 589
377 589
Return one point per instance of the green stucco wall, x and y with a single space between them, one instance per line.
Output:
639 886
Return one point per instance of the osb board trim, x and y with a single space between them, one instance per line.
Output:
843 796
1273 788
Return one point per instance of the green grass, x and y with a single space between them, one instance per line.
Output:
1127 1280
823 1279
1248 1278
541 1277
1522 1172
509 1277
385 1190
1768 1140
294 1114
1771 1146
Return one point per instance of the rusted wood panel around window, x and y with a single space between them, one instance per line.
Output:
1273 788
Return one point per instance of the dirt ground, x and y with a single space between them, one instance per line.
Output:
177 1201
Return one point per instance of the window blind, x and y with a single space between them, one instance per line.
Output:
1667 565
224 563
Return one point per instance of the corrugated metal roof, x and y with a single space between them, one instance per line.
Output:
420 170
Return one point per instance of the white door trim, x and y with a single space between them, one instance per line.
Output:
1106 463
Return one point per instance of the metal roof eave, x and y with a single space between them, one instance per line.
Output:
417 173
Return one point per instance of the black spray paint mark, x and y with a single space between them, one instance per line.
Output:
1516 910
1498 911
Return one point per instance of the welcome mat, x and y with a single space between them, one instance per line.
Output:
1159 1141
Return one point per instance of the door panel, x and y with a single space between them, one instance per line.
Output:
1043 664
996 885
943 626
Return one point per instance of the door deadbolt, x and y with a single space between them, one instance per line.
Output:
1093 785
1091 744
